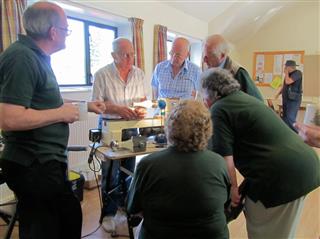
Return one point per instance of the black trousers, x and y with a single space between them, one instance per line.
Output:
47 207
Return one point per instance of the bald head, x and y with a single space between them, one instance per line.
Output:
119 43
179 52
216 49
181 43
40 17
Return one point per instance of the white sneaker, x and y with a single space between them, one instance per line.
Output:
108 224
121 216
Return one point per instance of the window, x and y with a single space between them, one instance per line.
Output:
88 48
169 46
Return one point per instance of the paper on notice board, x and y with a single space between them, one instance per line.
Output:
277 65
259 65
287 57
268 77
276 82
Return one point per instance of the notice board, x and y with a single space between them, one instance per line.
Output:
268 66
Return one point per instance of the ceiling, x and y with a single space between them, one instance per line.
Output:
236 20
203 10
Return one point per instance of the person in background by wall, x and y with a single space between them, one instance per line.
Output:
118 84
279 168
181 191
216 54
291 91
34 122
177 77
309 133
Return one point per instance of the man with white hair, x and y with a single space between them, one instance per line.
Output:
34 121
177 77
118 84
216 50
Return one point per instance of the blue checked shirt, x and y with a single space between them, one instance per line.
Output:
186 81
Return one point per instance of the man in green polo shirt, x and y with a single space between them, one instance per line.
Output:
34 120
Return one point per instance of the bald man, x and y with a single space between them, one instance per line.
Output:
216 50
177 77
34 121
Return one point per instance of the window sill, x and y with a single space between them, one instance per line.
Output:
75 89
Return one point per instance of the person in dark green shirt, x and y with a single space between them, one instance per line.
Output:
216 50
181 191
279 167
34 123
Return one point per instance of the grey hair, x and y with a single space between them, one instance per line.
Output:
37 21
218 83
116 43
222 48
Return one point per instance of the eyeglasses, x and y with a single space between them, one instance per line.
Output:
177 54
67 31
127 55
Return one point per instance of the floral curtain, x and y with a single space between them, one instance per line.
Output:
159 44
137 41
11 21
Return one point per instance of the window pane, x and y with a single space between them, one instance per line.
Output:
69 64
169 46
100 47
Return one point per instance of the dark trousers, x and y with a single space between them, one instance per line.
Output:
113 177
116 199
47 207
290 111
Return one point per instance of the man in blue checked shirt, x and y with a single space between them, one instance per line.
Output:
177 77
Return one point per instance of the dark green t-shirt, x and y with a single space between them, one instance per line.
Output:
26 79
181 195
278 164
247 84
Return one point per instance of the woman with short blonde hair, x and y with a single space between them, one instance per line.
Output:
181 190
189 126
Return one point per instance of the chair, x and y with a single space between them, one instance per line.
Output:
271 105
9 216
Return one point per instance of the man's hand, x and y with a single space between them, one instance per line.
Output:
309 133
126 112
140 112
69 112
97 107
235 196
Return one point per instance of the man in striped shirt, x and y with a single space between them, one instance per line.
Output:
118 84
177 77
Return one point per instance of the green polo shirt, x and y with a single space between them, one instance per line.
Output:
278 164
247 84
27 79
181 195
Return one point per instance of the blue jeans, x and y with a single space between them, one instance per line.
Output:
111 201
290 111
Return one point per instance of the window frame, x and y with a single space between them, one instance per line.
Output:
87 60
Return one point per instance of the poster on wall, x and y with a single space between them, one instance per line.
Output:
259 67
277 64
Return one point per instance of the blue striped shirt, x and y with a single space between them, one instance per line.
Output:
181 86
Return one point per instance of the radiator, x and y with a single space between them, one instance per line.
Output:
79 135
